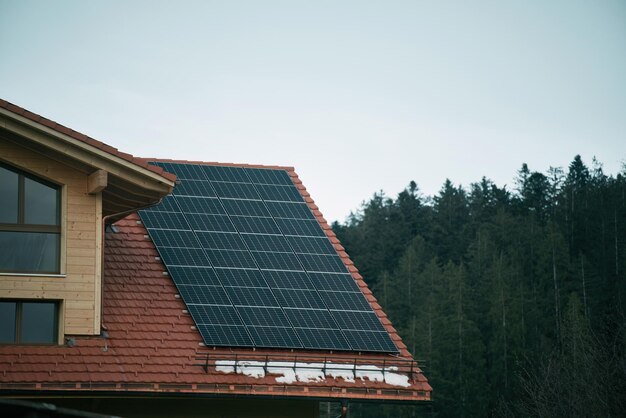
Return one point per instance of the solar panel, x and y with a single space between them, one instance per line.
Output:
254 266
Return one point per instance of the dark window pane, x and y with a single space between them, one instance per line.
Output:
7 322
40 203
29 252
8 191
38 323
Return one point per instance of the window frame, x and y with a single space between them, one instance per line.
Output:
21 226
18 321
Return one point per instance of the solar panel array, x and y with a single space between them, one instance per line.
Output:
254 266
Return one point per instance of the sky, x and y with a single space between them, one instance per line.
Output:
358 96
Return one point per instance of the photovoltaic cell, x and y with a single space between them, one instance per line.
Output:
245 207
275 336
263 316
215 314
311 318
364 321
370 341
342 301
227 174
183 171
276 261
231 258
322 262
228 335
220 240
210 205
194 275
330 339
254 266
174 238
211 295
298 298
164 220
198 188
236 190
291 210
241 277
251 296
288 279
301 227
216 223
261 176
334 282
279 193
309 245
183 256
252 225
272 243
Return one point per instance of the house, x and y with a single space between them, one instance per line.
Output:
97 315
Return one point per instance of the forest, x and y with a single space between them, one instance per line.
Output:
512 299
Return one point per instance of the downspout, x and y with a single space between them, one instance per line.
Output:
104 226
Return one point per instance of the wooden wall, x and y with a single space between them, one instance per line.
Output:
79 285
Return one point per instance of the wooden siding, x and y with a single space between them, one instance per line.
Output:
79 285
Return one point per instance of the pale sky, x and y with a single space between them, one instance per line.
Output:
358 96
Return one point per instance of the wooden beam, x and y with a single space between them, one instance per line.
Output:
98 181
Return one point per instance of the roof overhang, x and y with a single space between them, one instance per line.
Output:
127 183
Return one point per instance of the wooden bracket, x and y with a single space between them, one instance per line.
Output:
98 181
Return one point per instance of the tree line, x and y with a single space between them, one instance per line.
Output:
513 300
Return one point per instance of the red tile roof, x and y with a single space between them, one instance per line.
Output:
141 162
151 344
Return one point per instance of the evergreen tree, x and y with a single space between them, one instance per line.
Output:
514 302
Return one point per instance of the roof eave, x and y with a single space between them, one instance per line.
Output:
132 183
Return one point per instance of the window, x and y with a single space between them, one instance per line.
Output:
30 223
28 322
